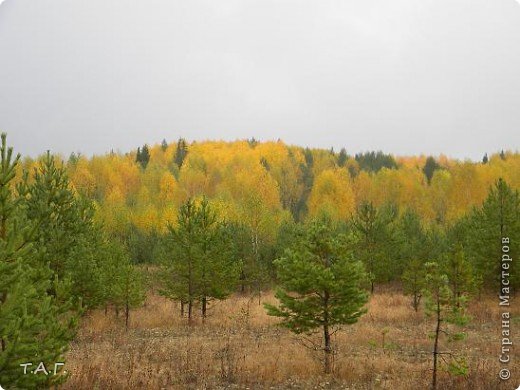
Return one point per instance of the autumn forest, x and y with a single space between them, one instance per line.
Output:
255 264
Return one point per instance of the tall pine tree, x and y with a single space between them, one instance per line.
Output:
35 326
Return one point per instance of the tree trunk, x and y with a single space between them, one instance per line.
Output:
127 315
182 309
242 281
327 349
190 307
204 303
436 345
326 333
416 302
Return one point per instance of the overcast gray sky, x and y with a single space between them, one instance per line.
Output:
404 76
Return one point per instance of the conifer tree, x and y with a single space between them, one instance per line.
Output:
319 286
84 267
374 162
128 289
144 156
66 236
342 157
411 243
34 325
217 268
413 282
138 155
181 152
446 308
498 218
372 227
197 261
460 275
62 217
164 145
429 168
179 264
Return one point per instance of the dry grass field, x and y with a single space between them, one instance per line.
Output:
239 346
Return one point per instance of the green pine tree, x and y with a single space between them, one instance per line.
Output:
372 227
429 168
181 152
35 326
164 145
498 218
197 261
128 289
218 272
413 282
319 286
446 308
63 217
460 275
410 243
342 157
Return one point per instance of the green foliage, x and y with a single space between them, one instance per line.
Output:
143 156
197 259
62 217
142 245
128 288
458 367
342 157
181 152
67 238
460 275
84 269
411 241
254 269
429 168
373 162
375 241
164 145
319 284
35 326
414 282
498 217
439 298
307 181
446 308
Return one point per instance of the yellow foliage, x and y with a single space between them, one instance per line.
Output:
260 184
332 194
167 187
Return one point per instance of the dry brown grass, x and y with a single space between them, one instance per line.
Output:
239 346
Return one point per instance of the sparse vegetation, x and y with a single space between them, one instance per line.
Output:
240 346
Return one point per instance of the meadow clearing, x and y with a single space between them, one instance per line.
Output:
240 346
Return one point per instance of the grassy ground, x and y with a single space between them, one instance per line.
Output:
239 346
